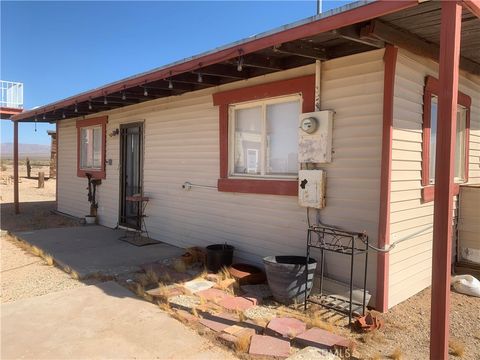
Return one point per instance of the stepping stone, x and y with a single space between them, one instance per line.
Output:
259 329
214 295
233 334
238 303
322 339
185 302
285 327
260 291
186 317
218 322
262 345
312 353
198 285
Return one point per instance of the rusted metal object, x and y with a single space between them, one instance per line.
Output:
369 322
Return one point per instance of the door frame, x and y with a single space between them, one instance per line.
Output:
141 125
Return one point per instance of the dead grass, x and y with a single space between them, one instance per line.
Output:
151 277
374 337
242 344
457 348
241 316
179 266
397 354
49 260
165 306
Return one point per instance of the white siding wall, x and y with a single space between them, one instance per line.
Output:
181 144
410 261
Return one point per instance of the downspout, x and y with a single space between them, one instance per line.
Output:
318 68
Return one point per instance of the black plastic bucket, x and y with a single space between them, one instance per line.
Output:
287 277
219 255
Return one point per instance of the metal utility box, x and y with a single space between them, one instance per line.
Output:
311 188
315 137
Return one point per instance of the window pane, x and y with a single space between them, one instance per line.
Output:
433 138
91 148
97 148
281 141
460 143
248 141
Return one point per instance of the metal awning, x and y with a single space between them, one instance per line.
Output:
355 28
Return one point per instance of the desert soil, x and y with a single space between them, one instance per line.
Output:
406 331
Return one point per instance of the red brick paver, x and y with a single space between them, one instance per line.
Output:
285 327
261 345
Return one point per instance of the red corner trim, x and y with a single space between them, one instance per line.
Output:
57 128
304 85
96 174
473 6
390 60
432 88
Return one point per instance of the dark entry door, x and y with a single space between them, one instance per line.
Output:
131 161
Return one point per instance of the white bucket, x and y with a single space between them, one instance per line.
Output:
90 219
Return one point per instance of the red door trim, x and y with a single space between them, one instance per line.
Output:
96 174
390 60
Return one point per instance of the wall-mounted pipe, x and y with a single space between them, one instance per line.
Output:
188 186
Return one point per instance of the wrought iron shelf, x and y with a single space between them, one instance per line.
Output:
331 239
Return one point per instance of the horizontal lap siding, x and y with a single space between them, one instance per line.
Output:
182 144
410 261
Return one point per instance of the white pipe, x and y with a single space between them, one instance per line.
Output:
318 68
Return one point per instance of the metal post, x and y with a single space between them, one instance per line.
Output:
450 31
15 167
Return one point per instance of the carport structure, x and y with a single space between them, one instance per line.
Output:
447 32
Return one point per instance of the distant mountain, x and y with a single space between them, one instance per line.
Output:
33 151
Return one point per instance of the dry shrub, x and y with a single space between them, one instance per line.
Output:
243 343
49 260
165 306
151 277
36 251
224 273
140 290
373 337
396 355
241 316
179 266
143 280
195 312
165 277
457 348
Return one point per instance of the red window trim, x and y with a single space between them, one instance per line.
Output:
432 88
96 174
304 85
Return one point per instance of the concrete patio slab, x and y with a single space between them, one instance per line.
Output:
94 249
102 321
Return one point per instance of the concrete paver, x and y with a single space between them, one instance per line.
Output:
98 321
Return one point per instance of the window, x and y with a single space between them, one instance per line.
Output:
264 139
259 135
430 116
91 147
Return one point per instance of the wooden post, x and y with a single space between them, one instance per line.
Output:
450 31
15 167
29 168
41 179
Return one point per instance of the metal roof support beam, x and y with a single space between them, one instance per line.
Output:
303 50
352 33
450 37
15 168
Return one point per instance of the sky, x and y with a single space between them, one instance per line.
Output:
61 48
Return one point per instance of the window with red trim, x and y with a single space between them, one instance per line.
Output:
430 108
91 142
258 135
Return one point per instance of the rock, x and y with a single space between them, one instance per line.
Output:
238 303
260 312
322 339
214 295
185 302
218 322
234 334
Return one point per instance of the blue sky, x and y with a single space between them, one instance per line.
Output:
58 49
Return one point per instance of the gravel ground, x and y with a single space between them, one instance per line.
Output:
25 275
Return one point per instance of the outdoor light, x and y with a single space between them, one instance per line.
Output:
63 115
199 78
43 116
170 84
89 105
124 96
105 101
240 63
76 108
35 123
145 92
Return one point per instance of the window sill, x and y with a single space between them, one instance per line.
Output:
252 186
428 192
96 174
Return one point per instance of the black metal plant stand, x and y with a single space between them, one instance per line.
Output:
331 239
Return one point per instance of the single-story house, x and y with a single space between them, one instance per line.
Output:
213 140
